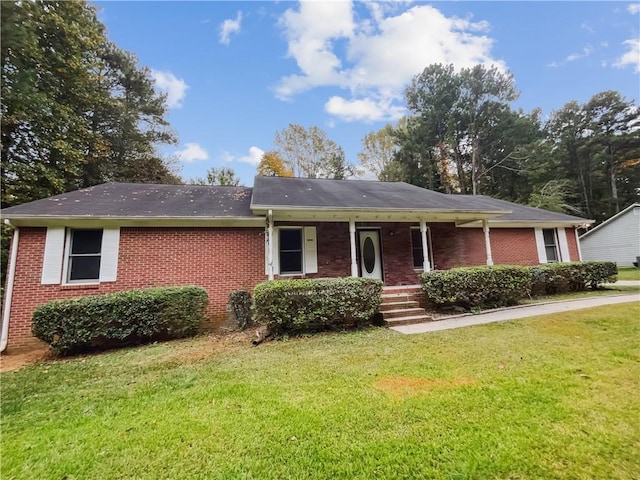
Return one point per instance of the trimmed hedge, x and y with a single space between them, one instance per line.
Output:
118 319
502 285
477 287
554 278
310 305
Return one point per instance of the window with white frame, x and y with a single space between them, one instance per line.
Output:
550 244
84 255
291 250
80 255
416 248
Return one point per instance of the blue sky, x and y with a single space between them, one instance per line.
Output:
237 72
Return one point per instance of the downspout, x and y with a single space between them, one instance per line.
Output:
352 239
11 274
270 244
487 241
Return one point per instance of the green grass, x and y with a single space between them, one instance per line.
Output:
628 273
548 397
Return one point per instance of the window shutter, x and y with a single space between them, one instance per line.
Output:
109 254
564 246
53 255
310 250
542 254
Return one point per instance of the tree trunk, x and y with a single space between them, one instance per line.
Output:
475 160
612 179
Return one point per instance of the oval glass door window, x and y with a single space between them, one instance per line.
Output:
369 255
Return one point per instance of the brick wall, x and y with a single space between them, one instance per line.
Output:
225 259
218 259
460 247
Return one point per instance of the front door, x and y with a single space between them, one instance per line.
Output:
370 257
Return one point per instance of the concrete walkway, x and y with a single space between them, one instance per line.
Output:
512 313
626 283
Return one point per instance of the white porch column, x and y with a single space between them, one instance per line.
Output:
354 259
270 244
487 241
426 264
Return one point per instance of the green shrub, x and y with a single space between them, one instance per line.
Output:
296 306
477 287
554 278
597 273
240 303
117 319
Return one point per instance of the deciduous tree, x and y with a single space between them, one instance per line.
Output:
224 176
311 153
272 165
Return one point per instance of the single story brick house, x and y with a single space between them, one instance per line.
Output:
120 236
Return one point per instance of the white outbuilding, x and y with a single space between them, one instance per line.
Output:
614 240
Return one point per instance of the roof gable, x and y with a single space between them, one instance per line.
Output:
611 219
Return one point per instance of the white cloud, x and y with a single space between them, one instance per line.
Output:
634 8
631 57
174 87
586 51
192 152
586 26
253 158
229 27
374 58
367 109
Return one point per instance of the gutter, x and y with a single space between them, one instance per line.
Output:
11 274
70 220
284 208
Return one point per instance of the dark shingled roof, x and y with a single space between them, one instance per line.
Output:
141 200
135 200
283 192
520 213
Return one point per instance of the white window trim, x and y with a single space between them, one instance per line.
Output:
562 246
55 264
429 245
66 259
309 250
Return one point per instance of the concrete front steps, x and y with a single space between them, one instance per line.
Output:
402 306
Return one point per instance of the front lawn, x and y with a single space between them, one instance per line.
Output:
546 397
628 273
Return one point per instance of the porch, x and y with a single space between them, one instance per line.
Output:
394 252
